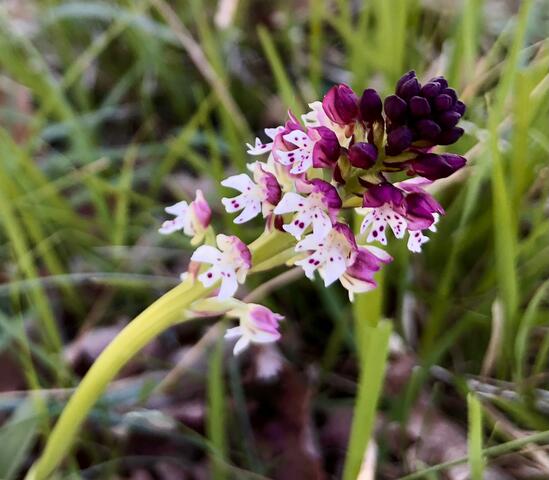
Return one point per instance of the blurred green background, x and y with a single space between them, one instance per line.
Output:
109 111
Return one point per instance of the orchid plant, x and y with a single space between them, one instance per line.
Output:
348 157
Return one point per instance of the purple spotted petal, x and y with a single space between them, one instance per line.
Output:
341 104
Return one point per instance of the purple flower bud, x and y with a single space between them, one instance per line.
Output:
398 140
341 104
381 194
441 81
409 89
419 106
326 150
370 105
448 119
273 192
443 102
459 107
431 89
427 129
395 108
363 155
451 93
433 166
407 76
447 137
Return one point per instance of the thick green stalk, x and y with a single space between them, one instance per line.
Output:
165 312
162 314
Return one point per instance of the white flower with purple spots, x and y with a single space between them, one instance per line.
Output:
258 324
259 195
319 208
422 212
259 148
193 218
383 205
338 257
299 150
230 264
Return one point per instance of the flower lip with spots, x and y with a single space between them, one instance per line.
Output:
193 218
230 264
319 208
255 197
258 324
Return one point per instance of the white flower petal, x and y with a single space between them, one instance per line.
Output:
171 226
291 202
241 345
229 285
299 139
207 254
251 210
334 267
241 182
234 332
180 208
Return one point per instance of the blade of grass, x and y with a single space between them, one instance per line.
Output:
474 435
372 371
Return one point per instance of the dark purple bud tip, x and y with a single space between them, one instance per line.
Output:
395 108
451 93
433 166
430 89
326 150
363 155
399 140
460 108
443 102
407 76
441 81
427 130
409 89
370 105
341 104
448 119
419 106
447 137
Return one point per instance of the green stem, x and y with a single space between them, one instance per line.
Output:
165 312
162 314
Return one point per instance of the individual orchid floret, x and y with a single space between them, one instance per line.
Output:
317 117
259 195
258 324
193 218
317 147
260 148
230 264
359 276
341 104
338 257
318 208
383 205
